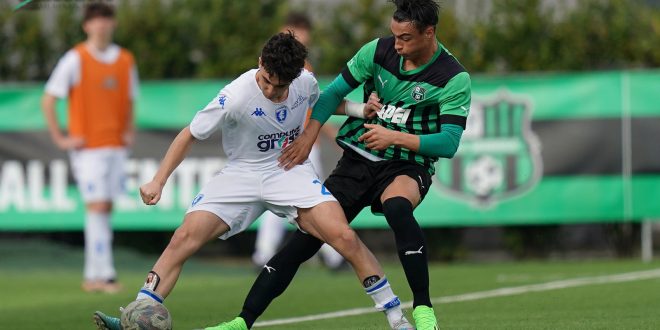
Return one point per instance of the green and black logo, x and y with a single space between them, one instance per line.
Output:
418 93
499 156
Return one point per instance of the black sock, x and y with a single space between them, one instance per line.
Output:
277 274
410 246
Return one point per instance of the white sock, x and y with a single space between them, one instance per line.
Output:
98 247
386 301
146 293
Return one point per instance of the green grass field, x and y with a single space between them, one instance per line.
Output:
40 289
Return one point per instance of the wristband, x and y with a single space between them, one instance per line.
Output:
354 109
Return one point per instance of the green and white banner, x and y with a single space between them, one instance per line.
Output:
539 149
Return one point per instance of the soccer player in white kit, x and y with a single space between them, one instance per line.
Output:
272 229
259 113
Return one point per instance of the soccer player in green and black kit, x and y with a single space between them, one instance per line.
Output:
421 97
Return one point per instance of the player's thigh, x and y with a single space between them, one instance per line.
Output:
109 172
91 169
232 196
402 186
117 172
324 221
202 226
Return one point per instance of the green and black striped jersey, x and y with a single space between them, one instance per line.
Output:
416 101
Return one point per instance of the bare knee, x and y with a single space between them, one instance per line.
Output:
347 241
99 207
184 240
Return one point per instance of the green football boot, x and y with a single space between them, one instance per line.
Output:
105 322
425 318
235 324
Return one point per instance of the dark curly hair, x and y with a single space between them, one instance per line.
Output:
284 56
421 13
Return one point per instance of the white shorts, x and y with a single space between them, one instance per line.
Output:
239 196
99 172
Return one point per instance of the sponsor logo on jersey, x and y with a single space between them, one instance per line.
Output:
259 112
418 93
222 99
499 157
300 100
393 114
279 140
281 114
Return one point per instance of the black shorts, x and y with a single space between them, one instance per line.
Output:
357 182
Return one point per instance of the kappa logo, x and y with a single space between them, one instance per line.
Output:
222 99
418 93
269 269
499 156
259 112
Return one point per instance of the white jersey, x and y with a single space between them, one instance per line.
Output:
255 129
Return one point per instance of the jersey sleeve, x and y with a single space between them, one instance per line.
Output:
313 93
207 120
64 75
361 67
455 100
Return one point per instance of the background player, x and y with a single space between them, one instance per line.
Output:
422 101
272 229
100 80
259 113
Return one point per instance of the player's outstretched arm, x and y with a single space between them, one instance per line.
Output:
151 191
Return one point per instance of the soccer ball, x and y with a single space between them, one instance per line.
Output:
146 314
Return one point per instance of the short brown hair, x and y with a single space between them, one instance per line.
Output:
298 20
98 9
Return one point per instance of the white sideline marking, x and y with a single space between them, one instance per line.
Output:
502 292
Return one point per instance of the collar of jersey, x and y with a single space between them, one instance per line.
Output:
261 94
421 68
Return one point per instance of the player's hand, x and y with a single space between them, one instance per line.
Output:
69 142
378 137
372 106
297 152
150 192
